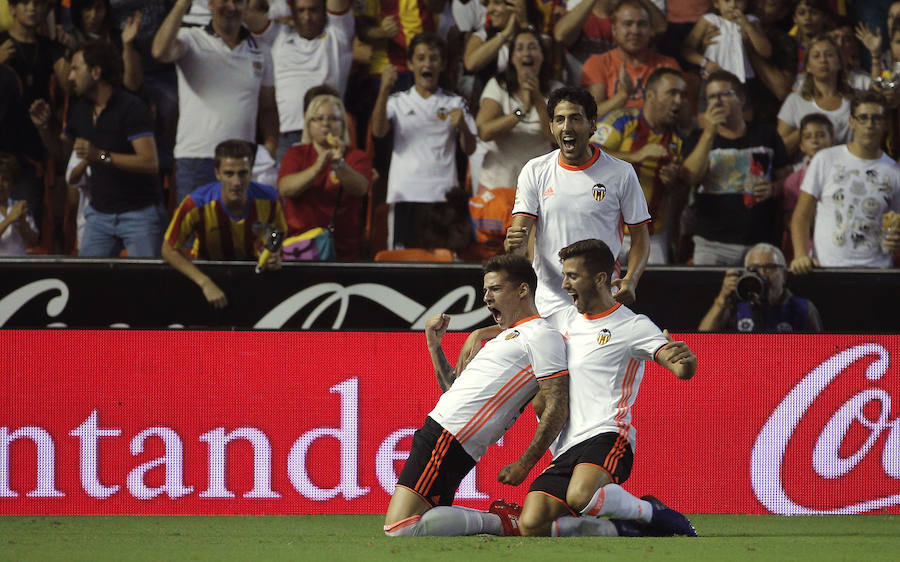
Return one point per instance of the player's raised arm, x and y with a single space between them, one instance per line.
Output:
677 357
555 392
435 328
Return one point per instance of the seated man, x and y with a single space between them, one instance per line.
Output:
479 405
227 219
771 309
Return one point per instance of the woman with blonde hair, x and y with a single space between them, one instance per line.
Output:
323 179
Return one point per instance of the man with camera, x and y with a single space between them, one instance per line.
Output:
755 300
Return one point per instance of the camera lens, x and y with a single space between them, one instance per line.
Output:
750 286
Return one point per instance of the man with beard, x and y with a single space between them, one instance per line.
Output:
112 130
646 138
225 87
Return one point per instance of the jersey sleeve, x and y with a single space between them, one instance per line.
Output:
608 134
789 110
634 204
392 107
183 223
527 202
646 339
139 121
815 175
547 353
344 26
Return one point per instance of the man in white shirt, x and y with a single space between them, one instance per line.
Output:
479 405
607 345
317 50
427 121
574 193
225 86
847 190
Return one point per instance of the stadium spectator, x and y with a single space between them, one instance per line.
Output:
722 40
646 138
843 35
317 49
426 122
226 219
680 20
529 356
816 133
776 74
575 192
112 130
848 188
607 346
825 90
513 123
763 303
17 229
616 78
323 179
810 21
225 86
737 167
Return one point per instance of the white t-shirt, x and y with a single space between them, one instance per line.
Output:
469 16
507 153
218 90
301 64
12 243
572 204
852 195
606 364
727 49
796 108
496 386
423 163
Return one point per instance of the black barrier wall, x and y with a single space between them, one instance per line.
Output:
394 297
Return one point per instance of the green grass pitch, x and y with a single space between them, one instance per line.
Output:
359 538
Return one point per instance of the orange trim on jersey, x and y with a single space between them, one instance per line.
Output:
554 375
523 320
648 221
584 166
552 497
604 313
402 523
434 463
506 392
658 349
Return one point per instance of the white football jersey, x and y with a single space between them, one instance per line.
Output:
573 203
491 392
606 363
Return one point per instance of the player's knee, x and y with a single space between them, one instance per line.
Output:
533 524
407 527
578 497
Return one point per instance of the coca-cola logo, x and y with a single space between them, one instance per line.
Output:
852 431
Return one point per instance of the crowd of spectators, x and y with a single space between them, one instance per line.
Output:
111 112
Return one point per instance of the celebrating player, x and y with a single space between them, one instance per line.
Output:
479 405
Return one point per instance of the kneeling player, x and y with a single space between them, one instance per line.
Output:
479 406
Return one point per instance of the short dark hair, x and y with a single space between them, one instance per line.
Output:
9 167
866 96
517 268
234 148
104 55
316 91
429 39
817 119
76 10
598 258
725 76
578 96
658 74
633 3
820 5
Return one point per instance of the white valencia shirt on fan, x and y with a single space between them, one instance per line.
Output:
491 392
423 163
606 354
218 89
572 203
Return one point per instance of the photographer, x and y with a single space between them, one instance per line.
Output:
755 300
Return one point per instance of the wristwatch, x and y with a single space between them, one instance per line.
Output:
518 113
106 158
338 164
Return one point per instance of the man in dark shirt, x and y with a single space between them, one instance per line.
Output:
113 130
34 58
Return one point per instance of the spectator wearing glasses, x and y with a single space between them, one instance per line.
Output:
773 309
737 168
847 191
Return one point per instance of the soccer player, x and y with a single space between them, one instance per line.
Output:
607 345
479 405
574 193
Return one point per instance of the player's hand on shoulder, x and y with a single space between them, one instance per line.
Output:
512 474
626 291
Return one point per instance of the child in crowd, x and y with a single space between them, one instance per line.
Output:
816 133
724 36
809 21
17 228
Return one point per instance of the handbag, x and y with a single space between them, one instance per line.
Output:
316 244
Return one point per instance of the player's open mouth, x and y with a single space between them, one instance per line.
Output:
427 74
574 297
495 313
568 142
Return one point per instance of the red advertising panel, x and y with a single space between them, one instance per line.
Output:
131 422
